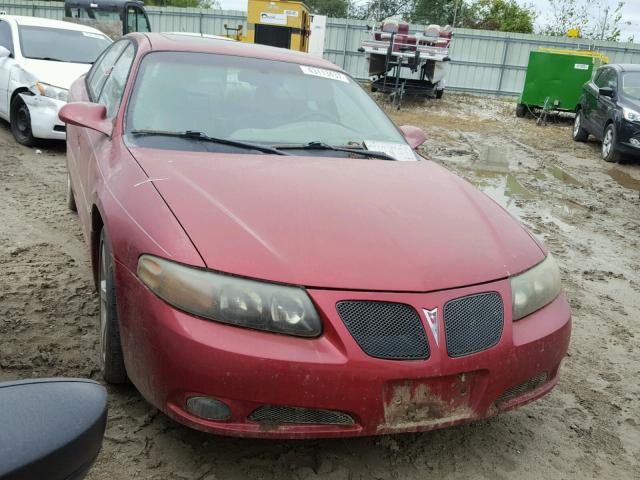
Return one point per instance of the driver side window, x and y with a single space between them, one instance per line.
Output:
607 78
114 86
102 68
5 36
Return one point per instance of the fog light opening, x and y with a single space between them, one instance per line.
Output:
635 142
208 408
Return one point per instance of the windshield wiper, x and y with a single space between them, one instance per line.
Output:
206 138
325 146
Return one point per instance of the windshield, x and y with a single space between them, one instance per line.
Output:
254 100
631 84
59 44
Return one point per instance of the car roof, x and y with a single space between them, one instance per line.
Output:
49 23
624 67
209 44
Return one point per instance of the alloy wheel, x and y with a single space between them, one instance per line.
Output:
576 124
607 143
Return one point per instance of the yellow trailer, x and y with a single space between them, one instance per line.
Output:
285 24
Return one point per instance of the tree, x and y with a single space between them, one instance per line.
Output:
379 10
331 8
440 12
501 15
595 19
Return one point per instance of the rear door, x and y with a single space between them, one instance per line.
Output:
591 100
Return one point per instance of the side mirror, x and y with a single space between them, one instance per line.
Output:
86 114
51 428
606 92
414 135
4 52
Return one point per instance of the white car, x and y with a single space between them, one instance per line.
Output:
39 60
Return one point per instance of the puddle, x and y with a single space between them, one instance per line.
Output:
495 159
624 179
508 192
503 188
563 176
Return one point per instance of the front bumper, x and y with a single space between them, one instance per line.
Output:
44 117
629 137
171 356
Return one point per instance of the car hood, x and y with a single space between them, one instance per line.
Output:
58 74
338 222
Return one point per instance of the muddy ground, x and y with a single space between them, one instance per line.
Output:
587 212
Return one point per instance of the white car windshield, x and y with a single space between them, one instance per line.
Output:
254 100
58 44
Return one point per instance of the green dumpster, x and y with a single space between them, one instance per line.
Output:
554 79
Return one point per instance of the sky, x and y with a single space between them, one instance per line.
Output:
631 13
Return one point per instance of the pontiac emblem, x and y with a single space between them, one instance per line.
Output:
432 320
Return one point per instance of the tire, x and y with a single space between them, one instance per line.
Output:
20 120
609 145
111 357
579 133
71 200
439 94
521 110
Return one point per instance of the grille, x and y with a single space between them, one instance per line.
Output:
473 323
385 330
528 386
275 415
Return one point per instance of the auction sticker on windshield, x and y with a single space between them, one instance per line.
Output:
321 72
396 150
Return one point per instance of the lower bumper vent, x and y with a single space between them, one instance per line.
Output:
529 386
276 415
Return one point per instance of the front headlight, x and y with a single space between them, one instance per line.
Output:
233 300
535 288
52 92
630 115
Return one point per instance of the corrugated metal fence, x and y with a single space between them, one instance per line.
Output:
482 61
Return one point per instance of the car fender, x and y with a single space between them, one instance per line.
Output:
138 221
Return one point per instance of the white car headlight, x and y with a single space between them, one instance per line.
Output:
52 92
535 288
233 300
630 115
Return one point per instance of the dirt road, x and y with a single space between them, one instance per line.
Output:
587 212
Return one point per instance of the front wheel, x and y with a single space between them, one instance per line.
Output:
111 357
439 94
20 120
579 133
521 110
610 144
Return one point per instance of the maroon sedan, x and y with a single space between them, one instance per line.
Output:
275 260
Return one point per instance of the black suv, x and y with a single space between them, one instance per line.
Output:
609 109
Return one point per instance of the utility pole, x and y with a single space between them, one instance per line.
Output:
455 12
